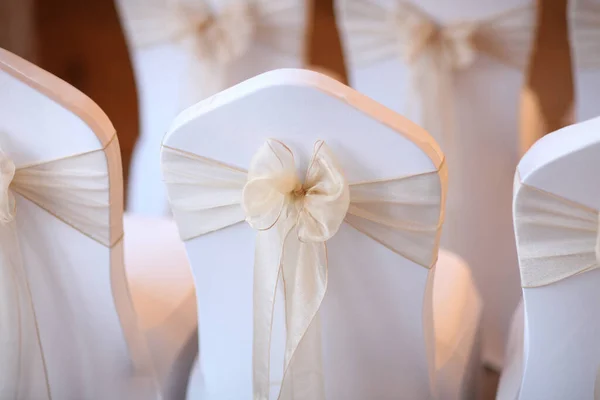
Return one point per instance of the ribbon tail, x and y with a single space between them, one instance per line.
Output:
267 270
433 83
205 76
24 371
305 280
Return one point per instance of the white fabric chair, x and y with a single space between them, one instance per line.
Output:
71 324
553 351
456 67
584 30
185 50
373 323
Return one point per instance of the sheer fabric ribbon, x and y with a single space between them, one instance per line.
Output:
74 190
557 238
294 220
217 38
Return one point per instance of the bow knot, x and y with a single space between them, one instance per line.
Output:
227 36
453 43
273 192
7 200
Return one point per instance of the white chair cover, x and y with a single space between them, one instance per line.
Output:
455 68
295 220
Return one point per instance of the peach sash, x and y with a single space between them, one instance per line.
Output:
294 219
75 190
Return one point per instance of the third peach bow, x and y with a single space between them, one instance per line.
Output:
433 51
294 220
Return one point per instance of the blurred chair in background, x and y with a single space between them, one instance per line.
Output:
184 51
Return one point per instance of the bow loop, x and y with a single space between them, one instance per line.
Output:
226 36
419 35
273 189
273 197
271 183
7 200
326 200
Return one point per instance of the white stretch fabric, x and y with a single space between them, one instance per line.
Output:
217 38
294 221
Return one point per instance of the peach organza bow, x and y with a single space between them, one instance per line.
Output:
294 220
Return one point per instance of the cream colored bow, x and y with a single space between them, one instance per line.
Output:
294 220
226 36
556 238
418 35
584 25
